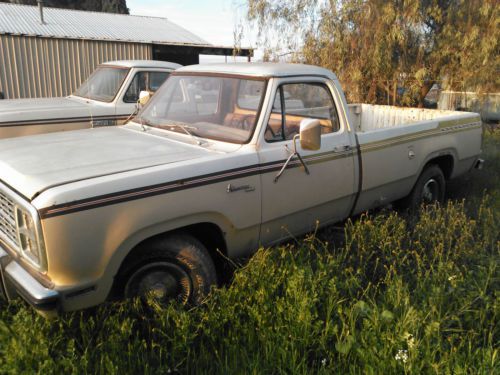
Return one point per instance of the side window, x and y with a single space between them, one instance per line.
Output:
301 101
144 81
156 79
137 85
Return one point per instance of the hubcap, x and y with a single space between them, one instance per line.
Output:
162 281
430 192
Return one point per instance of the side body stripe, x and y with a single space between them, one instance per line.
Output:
441 130
64 120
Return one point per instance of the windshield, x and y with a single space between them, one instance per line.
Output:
212 107
103 84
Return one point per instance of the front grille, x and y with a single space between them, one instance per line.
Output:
8 221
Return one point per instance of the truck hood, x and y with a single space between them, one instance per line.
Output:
33 164
16 110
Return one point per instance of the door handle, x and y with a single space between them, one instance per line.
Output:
246 188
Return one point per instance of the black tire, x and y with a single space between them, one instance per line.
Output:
429 188
176 267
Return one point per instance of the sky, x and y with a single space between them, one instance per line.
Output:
212 20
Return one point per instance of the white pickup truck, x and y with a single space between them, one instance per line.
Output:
222 160
108 97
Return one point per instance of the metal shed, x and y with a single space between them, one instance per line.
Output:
48 52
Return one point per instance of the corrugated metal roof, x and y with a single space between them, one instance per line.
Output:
75 24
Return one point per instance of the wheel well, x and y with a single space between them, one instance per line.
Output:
212 237
444 162
209 234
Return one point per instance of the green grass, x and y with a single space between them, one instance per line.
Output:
395 295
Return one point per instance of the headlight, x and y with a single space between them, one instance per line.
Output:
29 235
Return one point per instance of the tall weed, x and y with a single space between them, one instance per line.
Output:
397 296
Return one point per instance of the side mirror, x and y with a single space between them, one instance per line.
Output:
144 97
310 134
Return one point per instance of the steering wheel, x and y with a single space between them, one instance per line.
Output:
246 122
293 131
270 129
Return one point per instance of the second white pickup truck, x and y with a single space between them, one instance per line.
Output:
224 158
108 97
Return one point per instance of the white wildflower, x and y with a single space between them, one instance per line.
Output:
401 355
323 362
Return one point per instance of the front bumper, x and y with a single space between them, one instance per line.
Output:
15 282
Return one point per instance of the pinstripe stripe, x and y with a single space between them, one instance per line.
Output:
65 120
373 146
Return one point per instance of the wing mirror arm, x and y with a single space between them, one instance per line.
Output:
310 139
295 153
144 97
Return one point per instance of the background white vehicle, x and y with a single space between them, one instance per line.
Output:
108 97
487 104
224 158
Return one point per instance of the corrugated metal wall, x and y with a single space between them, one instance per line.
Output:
32 67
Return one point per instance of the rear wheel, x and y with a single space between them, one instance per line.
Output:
429 188
177 267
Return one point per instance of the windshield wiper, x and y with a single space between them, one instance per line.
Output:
182 126
185 128
142 122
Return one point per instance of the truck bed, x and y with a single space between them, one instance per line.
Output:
395 143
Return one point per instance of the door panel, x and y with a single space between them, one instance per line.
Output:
298 202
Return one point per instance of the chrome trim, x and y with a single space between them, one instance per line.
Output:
4 259
3 254
8 292
28 286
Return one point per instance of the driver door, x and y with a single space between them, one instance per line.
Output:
298 202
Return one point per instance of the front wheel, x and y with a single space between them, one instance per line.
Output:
429 188
177 267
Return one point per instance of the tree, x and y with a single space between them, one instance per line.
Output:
388 51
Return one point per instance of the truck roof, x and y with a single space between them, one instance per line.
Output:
143 64
260 69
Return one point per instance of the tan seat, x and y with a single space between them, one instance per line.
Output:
239 120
